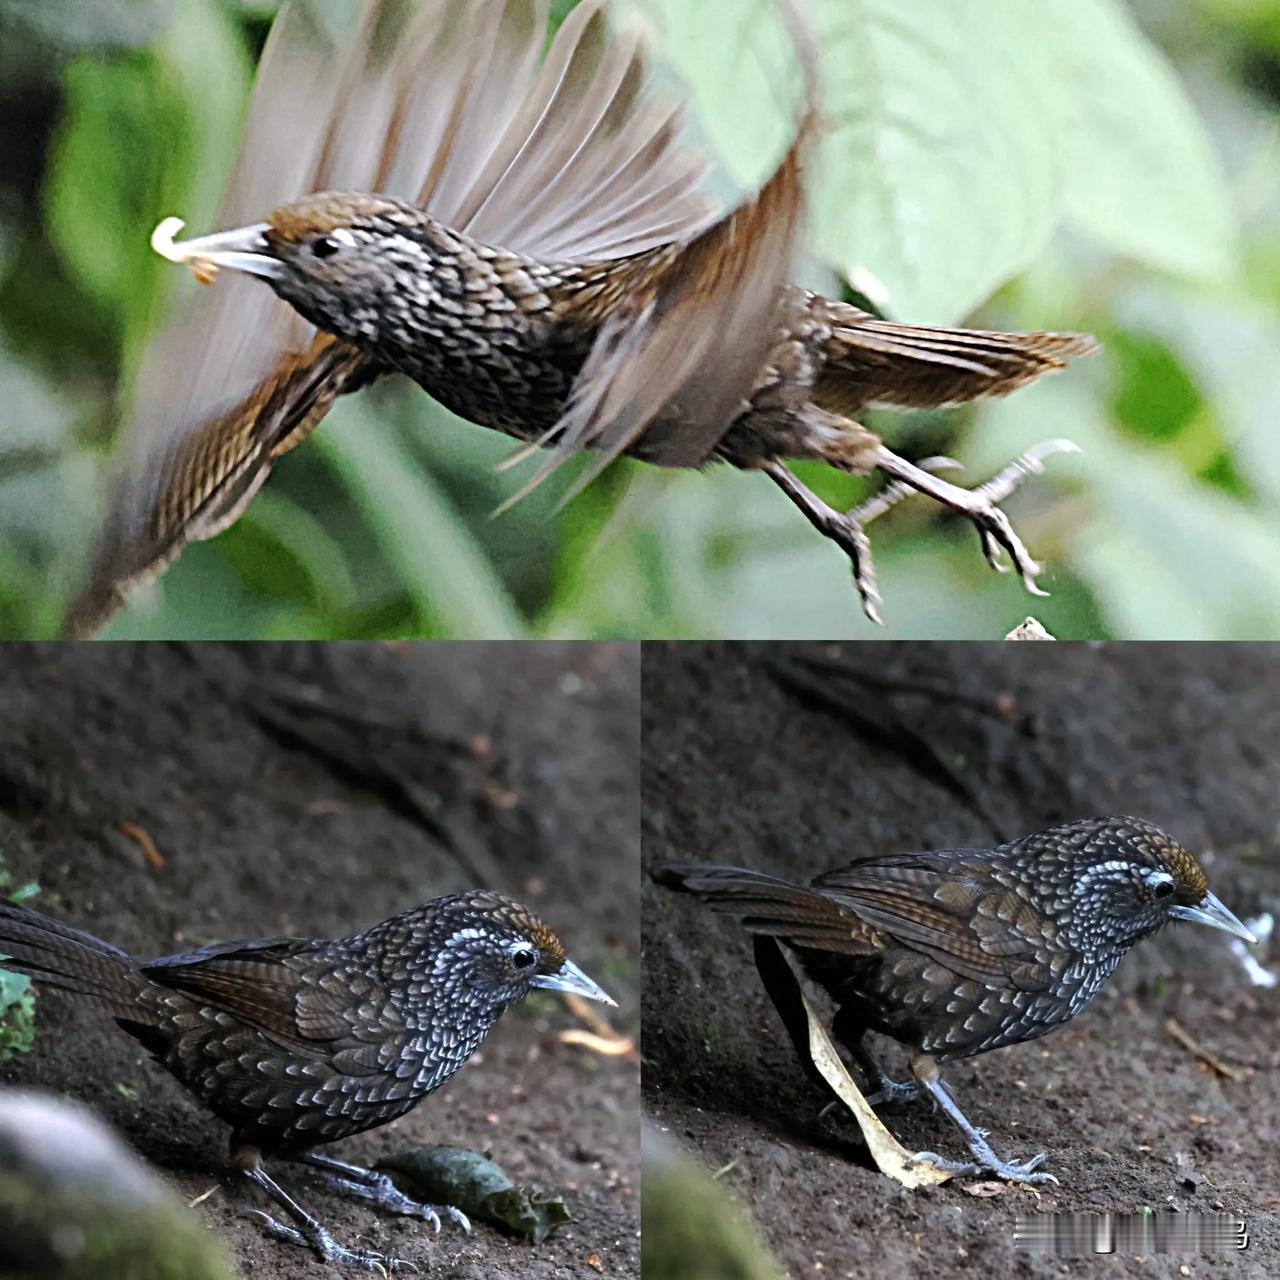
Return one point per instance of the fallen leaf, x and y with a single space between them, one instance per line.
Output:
477 1186
143 841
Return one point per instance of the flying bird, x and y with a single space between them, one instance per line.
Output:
530 239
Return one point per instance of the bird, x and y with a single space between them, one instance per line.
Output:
532 242
956 952
297 1042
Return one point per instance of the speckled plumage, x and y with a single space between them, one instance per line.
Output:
297 1042
532 241
957 952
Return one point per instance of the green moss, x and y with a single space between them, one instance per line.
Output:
67 1235
692 1229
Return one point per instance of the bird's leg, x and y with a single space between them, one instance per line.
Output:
849 1030
980 505
369 1184
309 1232
888 1089
847 528
926 1073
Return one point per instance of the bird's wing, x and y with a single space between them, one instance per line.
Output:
571 157
252 981
448 102
912 366
309 1007
680 353
942 905
236 377
777 908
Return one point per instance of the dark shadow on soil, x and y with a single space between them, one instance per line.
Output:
313 790
747 761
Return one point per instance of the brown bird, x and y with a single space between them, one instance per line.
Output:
528 239
296 1042
960 951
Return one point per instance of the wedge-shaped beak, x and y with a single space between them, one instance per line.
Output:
570 978
244 249
1210 911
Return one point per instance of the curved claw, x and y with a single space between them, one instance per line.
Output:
328 1249
1024 1172
961 1168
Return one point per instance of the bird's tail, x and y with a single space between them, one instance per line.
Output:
62 956
873 361
768 905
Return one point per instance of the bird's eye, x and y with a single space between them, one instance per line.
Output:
1163 888
523 959
334 242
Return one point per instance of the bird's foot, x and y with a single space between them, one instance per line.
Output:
986 1162
847 529
889 1092
984 1159
321 1241
893 1091
981 505
380 1189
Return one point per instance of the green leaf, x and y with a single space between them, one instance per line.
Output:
141 136
943 170
13 986
479 1187
85 24
1144 179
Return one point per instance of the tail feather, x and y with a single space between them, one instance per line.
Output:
874 361
62 956
774 907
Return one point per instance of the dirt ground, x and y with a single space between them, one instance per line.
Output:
743 764
314 790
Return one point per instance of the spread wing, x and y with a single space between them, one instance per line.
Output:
936 904
448 102
685 341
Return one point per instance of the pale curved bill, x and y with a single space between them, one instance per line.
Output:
241 249
571 979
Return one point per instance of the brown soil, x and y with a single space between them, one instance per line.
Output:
430 768
738 768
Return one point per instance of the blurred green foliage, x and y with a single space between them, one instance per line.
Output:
17 998
1070 164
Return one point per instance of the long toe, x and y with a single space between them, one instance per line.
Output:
432 1213
327 1248
996 531
987 1164
961 1168
891 1091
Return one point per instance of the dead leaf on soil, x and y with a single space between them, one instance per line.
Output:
1187 1041
477 1186
984 1188
891 1157
601 1038
143 841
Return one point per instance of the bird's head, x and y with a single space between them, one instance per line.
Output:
1126 878
344 261
492 951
